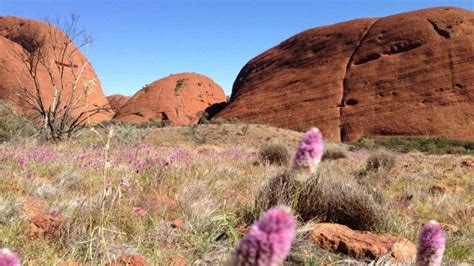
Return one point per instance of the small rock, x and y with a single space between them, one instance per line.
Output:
129 260
450 227
44 226
458 190
439 189
177 223
178 261
32 205
467 163
362 244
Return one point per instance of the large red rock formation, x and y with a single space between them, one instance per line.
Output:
116 101
406 74
17 39
179 98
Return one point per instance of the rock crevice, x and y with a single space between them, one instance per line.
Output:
345 86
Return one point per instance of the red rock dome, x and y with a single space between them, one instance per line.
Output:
116 101
406 74
17 35
179 98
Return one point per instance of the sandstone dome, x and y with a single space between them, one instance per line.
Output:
116 101
17 35
405 74
180 98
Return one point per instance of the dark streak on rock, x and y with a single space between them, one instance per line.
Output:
441 32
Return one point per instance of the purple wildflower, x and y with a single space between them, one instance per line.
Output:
22 163
310 151
268 241
431 244
8 258
54 212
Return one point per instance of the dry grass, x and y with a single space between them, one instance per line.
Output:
171 194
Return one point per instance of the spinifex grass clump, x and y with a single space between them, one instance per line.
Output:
341 201
281 189
8 258
274 153
431 244
268 241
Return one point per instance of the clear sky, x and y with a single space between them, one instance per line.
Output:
138 41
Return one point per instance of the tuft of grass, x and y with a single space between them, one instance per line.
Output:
457 249
334 151
14 126
381 160
282 189
438 145
341 201
274 154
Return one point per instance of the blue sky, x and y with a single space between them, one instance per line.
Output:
137 42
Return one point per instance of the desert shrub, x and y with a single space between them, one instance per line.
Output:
13 125
341 201
333 151
381 160
423 144
274 153
281 189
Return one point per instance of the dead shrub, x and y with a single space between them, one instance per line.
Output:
343 202
274 153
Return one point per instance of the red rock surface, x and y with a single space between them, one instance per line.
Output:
362 244
13 33
180 98
116 101
406 74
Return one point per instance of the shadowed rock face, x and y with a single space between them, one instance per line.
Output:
406 74
116 101
179 98
16 38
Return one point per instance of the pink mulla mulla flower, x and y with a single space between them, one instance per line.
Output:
22 163
431 244
8 258
310 151
269 240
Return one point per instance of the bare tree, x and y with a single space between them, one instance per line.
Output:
54 88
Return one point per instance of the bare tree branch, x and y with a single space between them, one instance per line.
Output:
57 101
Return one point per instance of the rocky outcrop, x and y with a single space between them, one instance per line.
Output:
362 244
180 98
116 101
18 37
406 74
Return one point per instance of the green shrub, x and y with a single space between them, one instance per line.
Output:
436 145
274 153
